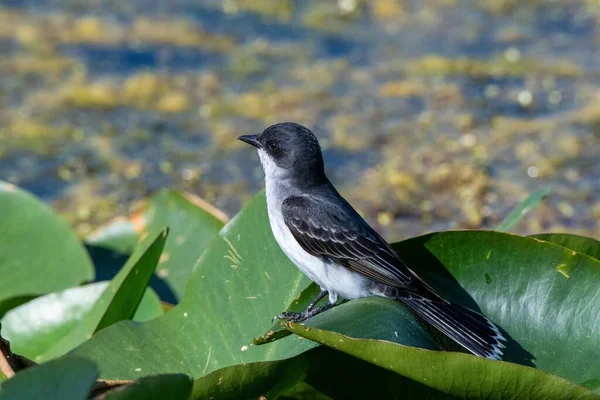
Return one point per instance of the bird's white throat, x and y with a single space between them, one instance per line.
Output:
272 170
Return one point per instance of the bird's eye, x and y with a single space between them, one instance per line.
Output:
273 147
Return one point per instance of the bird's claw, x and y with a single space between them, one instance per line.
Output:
293 316
304 315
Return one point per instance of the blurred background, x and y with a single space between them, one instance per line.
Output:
433 115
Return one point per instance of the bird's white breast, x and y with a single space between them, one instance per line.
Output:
329 276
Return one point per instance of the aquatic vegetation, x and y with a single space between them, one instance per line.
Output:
349 132
36 136
433 116
330 17
173 102
51 65
402 89
498 67
213 272
281 10
94 95
319 75
403 187
408 99
178 32
65 28
393 11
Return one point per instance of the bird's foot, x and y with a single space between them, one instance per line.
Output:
304 315
293 316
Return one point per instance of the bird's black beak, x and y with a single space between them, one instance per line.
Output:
251 139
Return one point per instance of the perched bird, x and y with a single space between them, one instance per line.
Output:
333 245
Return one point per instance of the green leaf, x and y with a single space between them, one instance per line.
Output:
377 318
238 285
303 391
155 387
192 225
119 301
456 374
252 380
524 285
39 253
33 328
532 201
580 244
521 284
243 279
120 234
328 371
342 376
150 307
65 379
339 375
373 317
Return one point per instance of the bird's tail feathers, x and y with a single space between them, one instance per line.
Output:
468 328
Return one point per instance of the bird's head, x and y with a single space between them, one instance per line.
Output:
289 150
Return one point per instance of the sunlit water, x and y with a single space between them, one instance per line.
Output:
433 115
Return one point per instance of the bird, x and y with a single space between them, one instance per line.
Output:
326 238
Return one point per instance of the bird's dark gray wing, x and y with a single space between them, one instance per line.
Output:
335 231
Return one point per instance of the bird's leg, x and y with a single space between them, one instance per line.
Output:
309 311
315 311
317 299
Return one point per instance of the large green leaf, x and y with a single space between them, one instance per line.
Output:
459 375
521 284
65 379
33 328
234 292
39 253
342 376
192 225
119 301
253 380
150 307
523 208
373 317
238 285
525 285
119 234
331 372
581 244
155 387
303 391
337 374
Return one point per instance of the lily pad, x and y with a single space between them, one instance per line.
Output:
155 387
455 374
516 281
237 286
360 379
36 245
65 379
244 279
252 381
520 284
119 301
580 244
192 224
33 328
